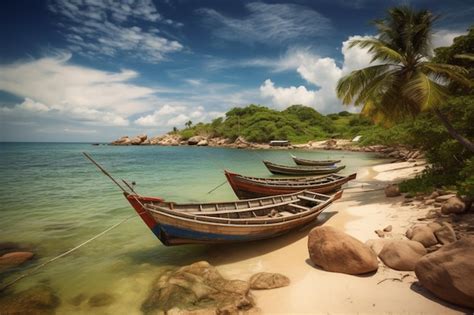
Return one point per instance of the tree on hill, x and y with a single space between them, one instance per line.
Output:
404 82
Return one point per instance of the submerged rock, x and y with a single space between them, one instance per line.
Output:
336 251
14 259
266 280
101 299
195 287
38 300
449 272
402 254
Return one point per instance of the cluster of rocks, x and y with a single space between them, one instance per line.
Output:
38 300
446 272
200 286
13 255
443 202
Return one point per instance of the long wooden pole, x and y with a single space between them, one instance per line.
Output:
104 171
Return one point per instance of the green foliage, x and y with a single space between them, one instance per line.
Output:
297 123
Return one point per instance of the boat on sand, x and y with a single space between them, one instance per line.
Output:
301 170
254 187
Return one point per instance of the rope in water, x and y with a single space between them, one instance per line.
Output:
35 269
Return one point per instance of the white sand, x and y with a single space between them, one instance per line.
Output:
316 291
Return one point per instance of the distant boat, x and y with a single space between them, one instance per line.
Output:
301 170
279 143
254 187
301 161
225 222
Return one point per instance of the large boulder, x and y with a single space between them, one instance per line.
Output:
423 234
392 190
402 254
453 205
195 140
197 286
266 280
377 244
138 139
336 251
38 300
449 272
203 143
125 140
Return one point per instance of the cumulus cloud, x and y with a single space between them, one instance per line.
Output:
443 38
321 72
268 23
176 115
52 85
109 28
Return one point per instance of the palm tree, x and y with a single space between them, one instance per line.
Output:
403 82
188 124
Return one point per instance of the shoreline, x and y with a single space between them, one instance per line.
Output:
312 290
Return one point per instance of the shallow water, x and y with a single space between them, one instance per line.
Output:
53 198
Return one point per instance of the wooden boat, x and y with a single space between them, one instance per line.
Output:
301 161
229 222
224 222
301 170
254 187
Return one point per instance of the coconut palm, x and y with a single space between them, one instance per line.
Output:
402 81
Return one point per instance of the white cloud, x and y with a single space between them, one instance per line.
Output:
322 72
268 23
96 27
52 85
443 38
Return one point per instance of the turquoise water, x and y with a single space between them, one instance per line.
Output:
53 198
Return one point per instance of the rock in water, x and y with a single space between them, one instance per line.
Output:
449 272
402 254
14 259
38 300
336 251
266 280
392 190
101 299
197 286
453 205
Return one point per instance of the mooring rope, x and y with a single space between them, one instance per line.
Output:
35 269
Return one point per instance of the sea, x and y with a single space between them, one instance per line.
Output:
52 199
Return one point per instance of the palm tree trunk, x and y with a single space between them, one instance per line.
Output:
463 141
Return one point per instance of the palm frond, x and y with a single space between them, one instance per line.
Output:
423 91
349 86
441 71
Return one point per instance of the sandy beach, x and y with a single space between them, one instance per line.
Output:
363 209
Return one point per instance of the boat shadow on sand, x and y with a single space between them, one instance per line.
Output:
218 254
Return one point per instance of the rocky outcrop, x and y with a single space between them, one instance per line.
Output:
453 205
266 280
392 190
449 272
38 300
197 286
195 140
137 140
125 140
402 254
336 251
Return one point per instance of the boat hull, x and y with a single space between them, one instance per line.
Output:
173 229
246 188
314 162
301 170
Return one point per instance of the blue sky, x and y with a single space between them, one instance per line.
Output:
90 70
